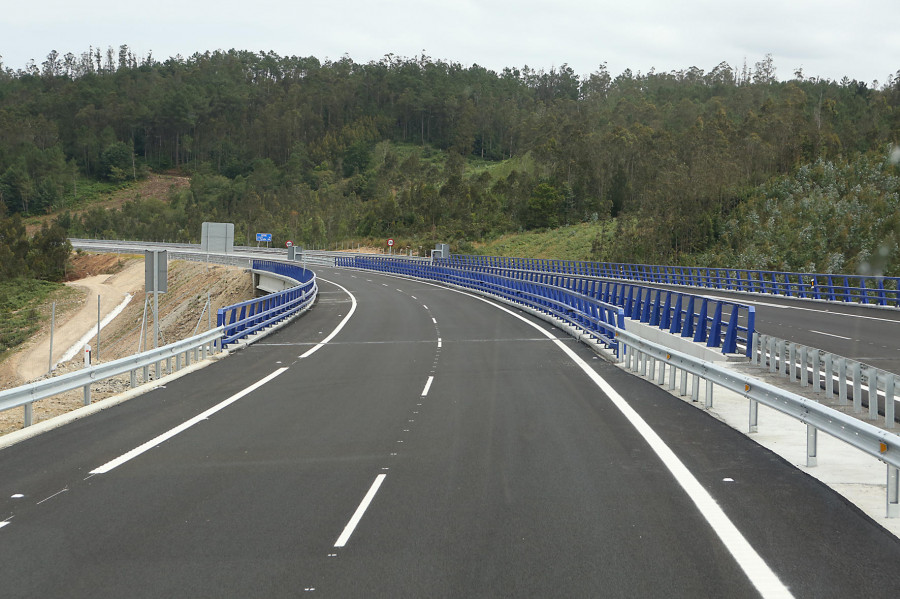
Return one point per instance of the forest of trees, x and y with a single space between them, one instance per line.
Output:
692 165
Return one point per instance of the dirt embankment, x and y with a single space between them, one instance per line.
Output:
183 311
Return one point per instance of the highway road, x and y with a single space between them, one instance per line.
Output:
405 440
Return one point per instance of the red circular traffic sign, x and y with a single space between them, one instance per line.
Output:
390 242
289 243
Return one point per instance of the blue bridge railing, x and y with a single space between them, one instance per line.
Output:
871 290
243 319
587 302
590 314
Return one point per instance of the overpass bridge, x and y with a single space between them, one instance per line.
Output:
405 439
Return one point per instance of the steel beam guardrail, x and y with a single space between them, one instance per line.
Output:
588 313
245 318
876 442
833 375
198 345
717 323
861 289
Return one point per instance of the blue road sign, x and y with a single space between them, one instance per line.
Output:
263 237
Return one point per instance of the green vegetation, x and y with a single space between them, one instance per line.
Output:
726 167
21 302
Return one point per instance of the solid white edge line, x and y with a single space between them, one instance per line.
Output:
427 386
183 426
358 514
758 572
340 325
761 576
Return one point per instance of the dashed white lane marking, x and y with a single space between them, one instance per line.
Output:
831 335
60 492
4 523
424 306
357 516
183 426
427 386
434 320
414 297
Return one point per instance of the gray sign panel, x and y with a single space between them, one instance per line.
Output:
156 262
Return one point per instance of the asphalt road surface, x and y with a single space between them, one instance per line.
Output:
436 445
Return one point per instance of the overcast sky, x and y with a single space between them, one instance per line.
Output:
826 38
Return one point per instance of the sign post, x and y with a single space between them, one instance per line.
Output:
390 243
156 276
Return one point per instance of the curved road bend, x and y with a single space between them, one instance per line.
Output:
437 446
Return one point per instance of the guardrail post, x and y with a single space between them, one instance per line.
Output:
889 401
754 416
709 394
178 361
811 446
672 371
857 387
816 366
842 381
133 376
786 365
893 492
790 371
683 382
873 393
772 346
661 378
29 413
146 374
829 376
695 389
804 358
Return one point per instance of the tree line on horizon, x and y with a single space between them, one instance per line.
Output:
430 150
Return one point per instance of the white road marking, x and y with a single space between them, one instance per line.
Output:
357 516
832 335
758 572
439 343
414 297
52 496
338 328
424 306
183 426
4 523
427 386
434 320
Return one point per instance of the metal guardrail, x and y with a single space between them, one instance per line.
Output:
588 313
245 318
650 360
199 346
716 323
833 375
867 290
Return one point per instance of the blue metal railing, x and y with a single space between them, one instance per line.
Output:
246 318
717 323
870 290
590 314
